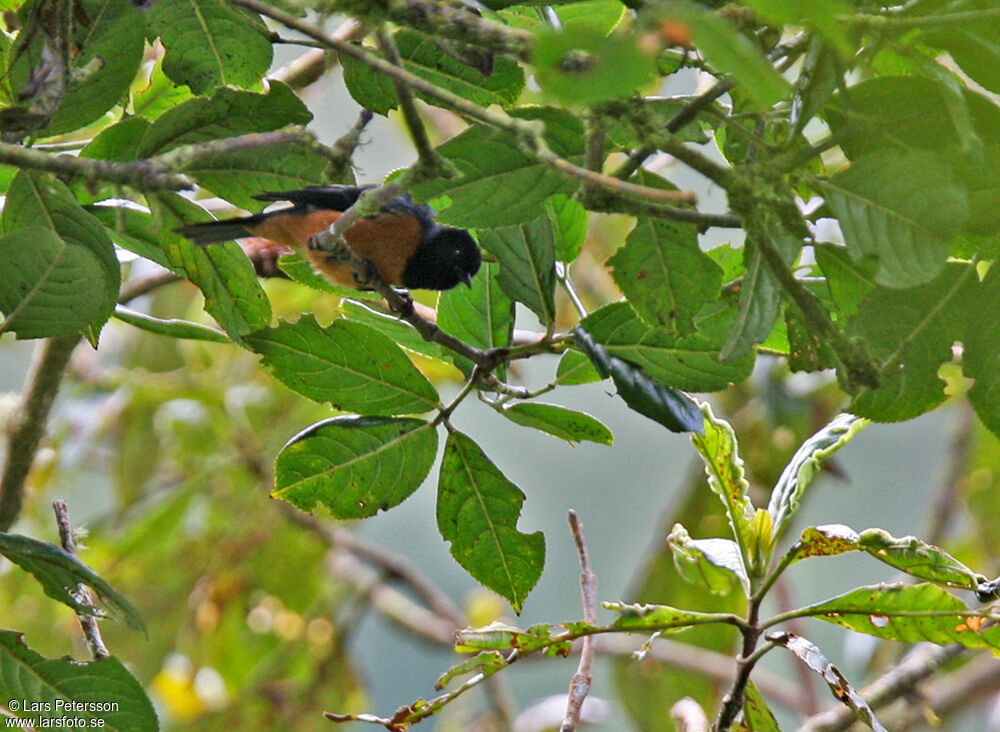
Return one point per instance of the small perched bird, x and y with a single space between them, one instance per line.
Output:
402 243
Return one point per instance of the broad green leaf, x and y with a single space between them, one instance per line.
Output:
222 272
119 142
756 714
981 353
477 514
404 334
563 423
575 368
599 15
355 466
842 690
806 463
59 573
674 409
713 564
80 248
909 614
350 365
482 316
499 184
63 689
886 210
228 113
172 328
527 257
423 57
848 280
972 41
153 96
688 362
913 556
210 44
719 452
909 334
825 16
569 225
664 274
132 230
583 65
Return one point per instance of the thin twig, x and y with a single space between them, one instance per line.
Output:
87 622
688 716
580 685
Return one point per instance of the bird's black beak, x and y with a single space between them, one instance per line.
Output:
465 277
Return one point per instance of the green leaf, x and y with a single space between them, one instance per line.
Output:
848 280
575 368
688 362
886 209
674 409
132 230
355 466
805 464
628 120
713 564
482 316
913 556
172 328
222 272
827 540
981 354
423 57
62 689
499 184
756 714
909 333
819 78
563 423
825 16
636 617
298 268
404 334
526 254
210 44
973 45
909 614
42 269
810 654
159 94
59 573
664 274
119 142
569 225
477 514
347 364
228 113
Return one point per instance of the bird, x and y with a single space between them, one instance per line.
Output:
402 243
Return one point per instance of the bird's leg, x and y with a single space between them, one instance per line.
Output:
407 306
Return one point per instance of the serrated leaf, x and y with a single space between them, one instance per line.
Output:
481 315
886 210
713 564
499 184
664 274
574 368
810 654
132 230
922 560
674 409
909 333
54 684
350 365
222 272
526 253
404 334
355 466
59 573
569 225
210 44
848 280
756 715
910 614
172 327
423 57
477 514
688 362
719 452
77 247
805 464
560 422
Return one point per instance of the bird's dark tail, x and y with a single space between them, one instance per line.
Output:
211 232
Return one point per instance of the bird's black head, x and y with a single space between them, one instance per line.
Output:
446 257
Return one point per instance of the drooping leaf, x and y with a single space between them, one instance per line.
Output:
674 409
482 316
563 423
349 365
65 690
922 560
355 466
477 514
665 275
59 573
526 253
210 44
172 327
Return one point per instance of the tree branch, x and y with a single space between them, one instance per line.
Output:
87 622
580 685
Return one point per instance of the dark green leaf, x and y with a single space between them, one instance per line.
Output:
526 254
132 230
59 573
404 334
849 281
482 316
674 409
559 421
355 466
477 514
347 364
981 356
172 328
664 274
119 142
55 684
210 44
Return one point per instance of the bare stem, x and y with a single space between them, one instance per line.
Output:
580 685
